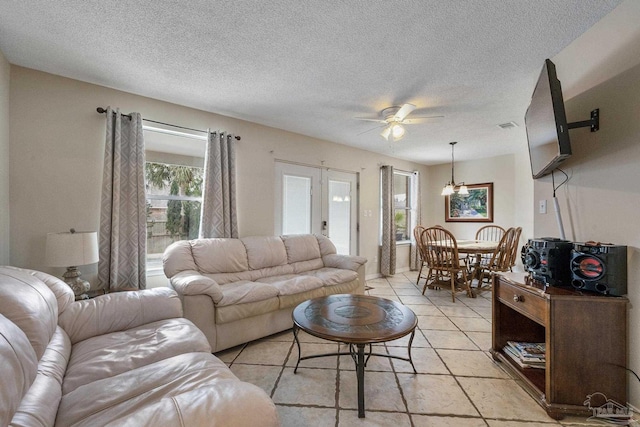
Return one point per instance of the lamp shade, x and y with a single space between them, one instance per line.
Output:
71 249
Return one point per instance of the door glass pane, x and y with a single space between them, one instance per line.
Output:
296 205
340 215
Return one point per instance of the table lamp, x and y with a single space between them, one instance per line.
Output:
71 249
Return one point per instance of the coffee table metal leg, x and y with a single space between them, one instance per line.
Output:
295 336
360 375
413 333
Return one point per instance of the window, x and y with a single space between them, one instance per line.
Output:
173 179
402 205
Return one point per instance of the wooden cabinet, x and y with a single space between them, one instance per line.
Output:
585 337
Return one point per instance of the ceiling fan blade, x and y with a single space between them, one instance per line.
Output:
416 120
404 111
367 119
369 130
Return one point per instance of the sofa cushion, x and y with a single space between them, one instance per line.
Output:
333 276
302 266
301 247
224 278
112 354
292 300
62 291
293 284
233 312
178 257
244 292
118 397
326 246
40 405
219 255
232 403
265 251
28 302
17 370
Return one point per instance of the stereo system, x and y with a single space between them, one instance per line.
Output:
590 266
547 260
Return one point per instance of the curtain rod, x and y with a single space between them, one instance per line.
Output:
103 111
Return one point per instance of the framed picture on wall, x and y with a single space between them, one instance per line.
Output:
477 206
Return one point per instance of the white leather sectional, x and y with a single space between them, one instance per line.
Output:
121 359
238 290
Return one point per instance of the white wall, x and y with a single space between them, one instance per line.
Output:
5 69
601 202
57 141
512 190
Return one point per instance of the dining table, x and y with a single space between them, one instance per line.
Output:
475 248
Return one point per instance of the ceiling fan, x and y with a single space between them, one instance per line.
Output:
393 119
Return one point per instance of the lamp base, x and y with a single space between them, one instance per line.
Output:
78 286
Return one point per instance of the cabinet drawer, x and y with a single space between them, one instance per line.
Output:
523 300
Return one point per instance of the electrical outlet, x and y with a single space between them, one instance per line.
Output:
543 207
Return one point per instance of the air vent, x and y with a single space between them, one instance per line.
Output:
508 125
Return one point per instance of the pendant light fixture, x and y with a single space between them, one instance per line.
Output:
451 186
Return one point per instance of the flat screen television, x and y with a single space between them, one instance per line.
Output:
546 124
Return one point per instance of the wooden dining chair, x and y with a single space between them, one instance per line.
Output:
515 249
441 253
501 258
491 233
417 235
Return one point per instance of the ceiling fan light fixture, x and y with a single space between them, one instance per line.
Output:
386 132
397 131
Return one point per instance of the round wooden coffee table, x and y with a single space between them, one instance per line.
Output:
357 320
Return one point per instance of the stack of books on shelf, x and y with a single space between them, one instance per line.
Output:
526 354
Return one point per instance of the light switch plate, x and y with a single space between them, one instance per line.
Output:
543 207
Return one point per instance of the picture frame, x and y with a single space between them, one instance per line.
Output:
475 207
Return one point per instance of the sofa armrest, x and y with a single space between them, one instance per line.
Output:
191 282
347 262
118 311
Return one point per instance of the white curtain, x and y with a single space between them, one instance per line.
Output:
416 218
123 223
219 216
388 238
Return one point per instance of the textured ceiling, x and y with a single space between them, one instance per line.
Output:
312 66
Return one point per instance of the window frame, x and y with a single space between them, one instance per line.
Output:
409 211
154 269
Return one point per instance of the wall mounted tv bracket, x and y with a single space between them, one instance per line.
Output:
594 123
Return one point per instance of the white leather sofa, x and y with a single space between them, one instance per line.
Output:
238 290
122 359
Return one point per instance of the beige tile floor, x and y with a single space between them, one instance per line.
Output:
458 383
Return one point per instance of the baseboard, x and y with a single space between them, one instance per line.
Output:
378 275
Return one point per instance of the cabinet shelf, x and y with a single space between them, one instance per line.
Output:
585 337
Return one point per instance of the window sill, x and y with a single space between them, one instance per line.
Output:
403 243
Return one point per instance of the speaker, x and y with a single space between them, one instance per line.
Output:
599 268
547 260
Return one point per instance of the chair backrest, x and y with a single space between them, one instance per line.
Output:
441 249
417 234
491 233
515 245
501 258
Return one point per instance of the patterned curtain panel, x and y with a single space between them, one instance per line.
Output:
219 215
123 205
388 241
414 261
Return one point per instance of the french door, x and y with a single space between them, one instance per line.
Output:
321 201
